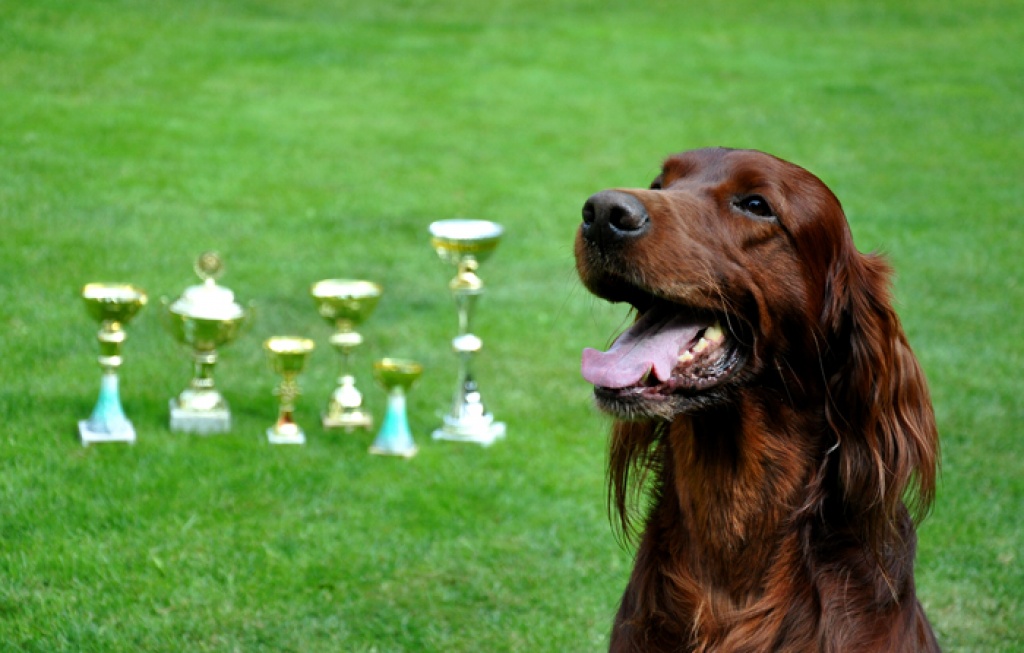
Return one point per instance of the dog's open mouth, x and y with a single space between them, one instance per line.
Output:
666 353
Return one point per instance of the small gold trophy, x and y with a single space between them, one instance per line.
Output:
205 318
113 305
287 355
465 244
396 376
345 304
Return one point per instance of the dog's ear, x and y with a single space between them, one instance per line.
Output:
879 406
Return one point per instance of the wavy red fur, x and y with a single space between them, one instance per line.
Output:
777 516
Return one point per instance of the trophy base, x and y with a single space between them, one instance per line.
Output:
292 437
399 453
89 436
199 422
483 432
348 421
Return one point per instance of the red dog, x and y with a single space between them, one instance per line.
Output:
767 392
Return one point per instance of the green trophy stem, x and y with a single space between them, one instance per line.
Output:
108 415
108 422
394 437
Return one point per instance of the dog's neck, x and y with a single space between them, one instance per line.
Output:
737 481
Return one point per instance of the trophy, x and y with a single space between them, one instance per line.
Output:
113 305
465 244
396 376
205 318
287 356
345 304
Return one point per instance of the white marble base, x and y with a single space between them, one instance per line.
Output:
206 422
276 437
483 432
89 436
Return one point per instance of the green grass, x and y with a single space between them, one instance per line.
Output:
311 139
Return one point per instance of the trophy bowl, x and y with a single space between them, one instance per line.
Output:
113 302
460 239
113 305
287 356
204 333
396 375
345 304
205 318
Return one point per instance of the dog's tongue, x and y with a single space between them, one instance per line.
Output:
652 343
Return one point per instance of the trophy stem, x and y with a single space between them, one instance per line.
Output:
200 408
107 423
288 391
395 438
466 288
466 404
203 364
111 337
285 430
468 419
287 355
345 408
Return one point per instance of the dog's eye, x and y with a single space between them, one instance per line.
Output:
755 205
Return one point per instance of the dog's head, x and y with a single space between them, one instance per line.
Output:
747 284
726 260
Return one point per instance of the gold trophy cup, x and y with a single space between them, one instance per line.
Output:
205 318
345 304
465 244
396 376
113 305
287 355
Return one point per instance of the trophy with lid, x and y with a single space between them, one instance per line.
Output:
465 244
113 305
205 318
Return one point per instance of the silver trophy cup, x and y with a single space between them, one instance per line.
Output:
465 244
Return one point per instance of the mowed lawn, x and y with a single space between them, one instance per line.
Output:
310 139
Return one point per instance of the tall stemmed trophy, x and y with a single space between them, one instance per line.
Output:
466 244
113 305
345 304
396 376
287 355
205 318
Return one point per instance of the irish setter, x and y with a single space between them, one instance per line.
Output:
768 406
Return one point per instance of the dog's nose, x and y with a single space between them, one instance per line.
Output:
612 215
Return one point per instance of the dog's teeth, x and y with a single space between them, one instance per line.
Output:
714 333
686 357
701 345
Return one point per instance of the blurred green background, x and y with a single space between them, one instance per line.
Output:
306 139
